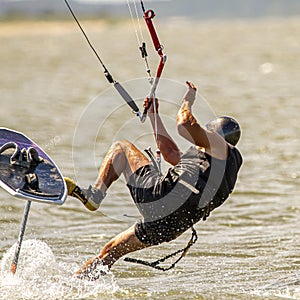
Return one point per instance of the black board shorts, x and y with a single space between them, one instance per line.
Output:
168 207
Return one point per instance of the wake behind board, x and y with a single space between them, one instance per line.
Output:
27 172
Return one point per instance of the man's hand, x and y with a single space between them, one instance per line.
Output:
190 95
92 270
148 103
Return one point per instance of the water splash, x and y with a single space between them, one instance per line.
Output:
40 276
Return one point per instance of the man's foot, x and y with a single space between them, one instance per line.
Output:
91 197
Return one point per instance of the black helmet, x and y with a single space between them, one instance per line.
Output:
227 127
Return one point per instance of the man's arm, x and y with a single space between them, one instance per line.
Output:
165 143
191 130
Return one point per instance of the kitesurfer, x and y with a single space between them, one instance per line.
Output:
199 180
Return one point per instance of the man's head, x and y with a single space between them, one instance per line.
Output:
227 127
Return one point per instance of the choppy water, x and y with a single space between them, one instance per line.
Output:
52 89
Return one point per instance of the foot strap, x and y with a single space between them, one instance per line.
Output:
24 158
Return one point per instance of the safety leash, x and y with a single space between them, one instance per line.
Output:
155 160
155 264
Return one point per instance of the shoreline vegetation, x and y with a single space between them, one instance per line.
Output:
53 26
19 17
18 23
58 24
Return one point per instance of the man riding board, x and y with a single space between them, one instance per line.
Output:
199 180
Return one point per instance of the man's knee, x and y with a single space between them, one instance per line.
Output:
121 145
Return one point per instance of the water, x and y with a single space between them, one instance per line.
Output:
52 89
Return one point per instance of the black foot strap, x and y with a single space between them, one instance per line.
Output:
31 182
23 158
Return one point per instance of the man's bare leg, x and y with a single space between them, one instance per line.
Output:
122 158
122 244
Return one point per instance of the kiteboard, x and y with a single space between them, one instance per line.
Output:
27 172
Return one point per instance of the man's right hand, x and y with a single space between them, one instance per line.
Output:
148 103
